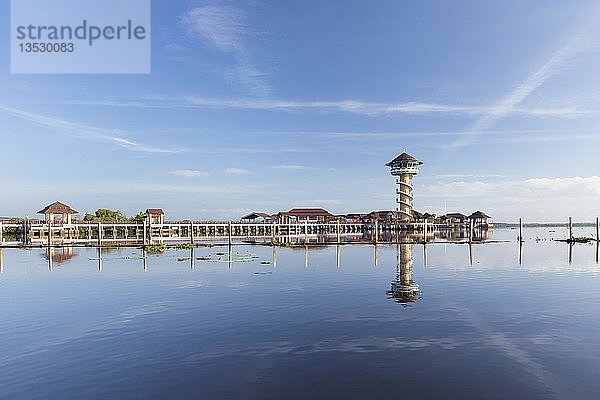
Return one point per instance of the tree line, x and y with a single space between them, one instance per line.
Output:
106 215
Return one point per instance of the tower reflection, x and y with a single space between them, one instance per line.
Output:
404 290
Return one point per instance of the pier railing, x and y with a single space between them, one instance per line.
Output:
143 233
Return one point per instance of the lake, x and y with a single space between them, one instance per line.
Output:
355 321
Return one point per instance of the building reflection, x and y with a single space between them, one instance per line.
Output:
404 290
369 236
58 255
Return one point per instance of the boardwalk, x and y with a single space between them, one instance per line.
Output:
137 234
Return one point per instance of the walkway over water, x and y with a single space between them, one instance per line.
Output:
134 234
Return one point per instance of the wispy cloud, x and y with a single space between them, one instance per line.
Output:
236 171
320 202
584 42
543 199
188 173
346 106
290 167
81 131
224 28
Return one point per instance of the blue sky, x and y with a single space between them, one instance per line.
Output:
269 105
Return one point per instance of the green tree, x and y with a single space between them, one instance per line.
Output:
105 215
89 218
139 217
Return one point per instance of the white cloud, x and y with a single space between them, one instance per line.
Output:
188 173
584 42
537 199
86 132
347 106
236 171
290 167
223 28
220 26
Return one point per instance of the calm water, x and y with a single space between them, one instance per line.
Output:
316 324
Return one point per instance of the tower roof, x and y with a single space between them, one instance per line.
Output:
403 158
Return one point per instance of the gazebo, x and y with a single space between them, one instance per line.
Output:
155 216
57 213
480 219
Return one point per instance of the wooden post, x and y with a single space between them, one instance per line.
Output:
376 230
597 229
145 233
338 232
305 232
99 233
229 231
471 229
425 231
570 228
1 232
49 234
521 230
192 233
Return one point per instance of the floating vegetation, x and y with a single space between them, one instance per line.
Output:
182 246
287 245
155 248
581 239
183 259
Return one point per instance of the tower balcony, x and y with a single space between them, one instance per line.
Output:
412 170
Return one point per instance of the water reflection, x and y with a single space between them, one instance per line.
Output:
2 260
58 255
369 236
404 290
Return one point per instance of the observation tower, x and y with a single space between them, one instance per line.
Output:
404 167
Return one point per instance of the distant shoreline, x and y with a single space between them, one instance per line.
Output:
543 224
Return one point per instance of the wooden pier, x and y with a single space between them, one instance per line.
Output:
138 234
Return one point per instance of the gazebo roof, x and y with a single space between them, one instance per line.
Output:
479 215
307 212
155 211
255 215
57 208
403 158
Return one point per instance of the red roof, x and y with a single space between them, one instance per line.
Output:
155 211
57 208
307 211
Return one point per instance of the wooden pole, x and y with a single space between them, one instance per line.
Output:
521 230
49 234
1 232
425 231
306 232
99 233
376 231
192 233
338 232
570 228
229 233
471 228
597 229
145 233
